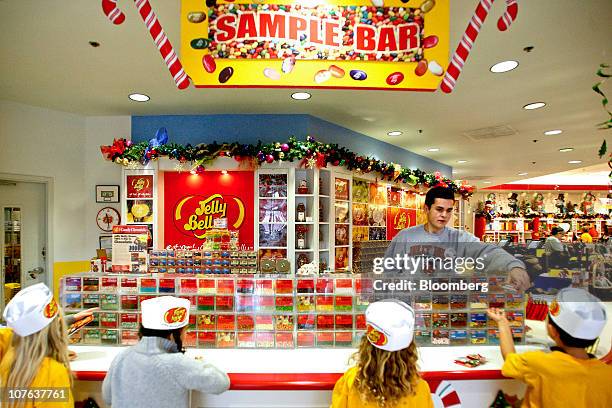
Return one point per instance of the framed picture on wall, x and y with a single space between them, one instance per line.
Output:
107 194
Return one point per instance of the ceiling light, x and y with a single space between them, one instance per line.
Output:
224 172
394 133
461 161
575 161
553 132
523 174
433 149
300 96
504 66
534 105
486 182
566 149
138 97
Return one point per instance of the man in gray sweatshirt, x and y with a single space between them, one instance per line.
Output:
435 239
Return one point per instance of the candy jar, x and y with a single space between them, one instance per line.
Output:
303 187
300 240
301 212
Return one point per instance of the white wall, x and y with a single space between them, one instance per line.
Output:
65 147
100 131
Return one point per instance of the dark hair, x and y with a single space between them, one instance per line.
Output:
556 230
438 192
164 334
568 340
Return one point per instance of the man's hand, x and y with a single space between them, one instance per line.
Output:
519 278
506 343
84 313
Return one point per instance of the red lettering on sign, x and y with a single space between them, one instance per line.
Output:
246 26
315 31
365 37
386 39
331 32
296 24
408 36
271 25
225 28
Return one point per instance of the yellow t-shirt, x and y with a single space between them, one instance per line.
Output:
586 238
347 396
557 379
51 374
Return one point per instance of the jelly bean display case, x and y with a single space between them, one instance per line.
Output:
266 311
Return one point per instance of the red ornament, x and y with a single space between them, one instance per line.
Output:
269 159
222 154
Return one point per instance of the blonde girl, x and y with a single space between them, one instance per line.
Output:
386 373
34 351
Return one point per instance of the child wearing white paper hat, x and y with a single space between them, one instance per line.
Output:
567 376
386 372
34 349
155 373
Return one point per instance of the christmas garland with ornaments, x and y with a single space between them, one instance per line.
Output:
310 153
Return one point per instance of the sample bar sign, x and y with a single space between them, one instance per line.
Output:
195 204
311 43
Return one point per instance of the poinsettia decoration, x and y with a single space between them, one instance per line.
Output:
310 153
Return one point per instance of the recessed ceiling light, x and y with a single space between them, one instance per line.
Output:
504 66
575 161
138 97
523 174
553 132
486 182
566 149
394 133
433 149
461 161
534 105
300 96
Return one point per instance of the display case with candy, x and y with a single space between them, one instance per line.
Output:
276 311
220 261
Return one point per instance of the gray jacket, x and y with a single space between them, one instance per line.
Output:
151 374
455 244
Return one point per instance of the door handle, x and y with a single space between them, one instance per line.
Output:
35 271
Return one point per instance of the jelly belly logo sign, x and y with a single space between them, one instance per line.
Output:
310 43
194 204
205 216
139 186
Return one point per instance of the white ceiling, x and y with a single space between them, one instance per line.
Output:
597 175
47 61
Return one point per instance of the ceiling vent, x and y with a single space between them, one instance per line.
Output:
489 133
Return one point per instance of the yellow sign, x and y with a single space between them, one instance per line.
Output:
316 44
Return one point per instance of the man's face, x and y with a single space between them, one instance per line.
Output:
440 212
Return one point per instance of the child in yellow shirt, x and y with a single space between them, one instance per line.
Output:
567 376
34 352
386 372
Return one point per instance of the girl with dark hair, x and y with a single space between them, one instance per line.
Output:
155 373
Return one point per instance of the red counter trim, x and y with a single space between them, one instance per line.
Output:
311 381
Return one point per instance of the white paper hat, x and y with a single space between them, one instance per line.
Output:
31 310
390 324
165 313
578 313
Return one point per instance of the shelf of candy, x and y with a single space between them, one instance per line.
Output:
265 312
203 262
364 253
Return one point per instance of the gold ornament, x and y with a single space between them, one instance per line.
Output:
311 163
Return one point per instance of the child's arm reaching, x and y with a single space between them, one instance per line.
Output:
506 343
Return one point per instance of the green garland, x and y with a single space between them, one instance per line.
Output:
311 153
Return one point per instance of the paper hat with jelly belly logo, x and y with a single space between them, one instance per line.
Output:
31 310
390 324
578 313
165 313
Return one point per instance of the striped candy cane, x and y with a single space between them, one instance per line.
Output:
469 37
157 32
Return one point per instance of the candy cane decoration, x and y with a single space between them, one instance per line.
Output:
469 37
172 61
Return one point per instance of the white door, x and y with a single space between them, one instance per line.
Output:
23 238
